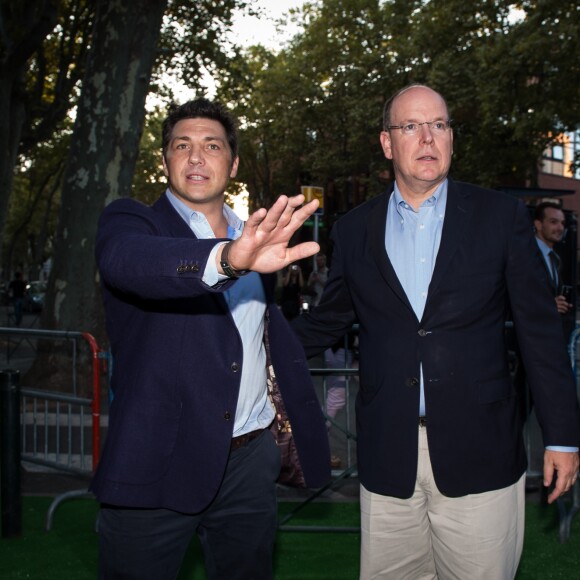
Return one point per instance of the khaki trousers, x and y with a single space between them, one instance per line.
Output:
430 536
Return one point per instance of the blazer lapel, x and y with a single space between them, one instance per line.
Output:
175 226
457 213
377 226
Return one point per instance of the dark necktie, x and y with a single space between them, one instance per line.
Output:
555 263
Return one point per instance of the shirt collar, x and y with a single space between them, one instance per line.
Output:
438 200
543 246
198 222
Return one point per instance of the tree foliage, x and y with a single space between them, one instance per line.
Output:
43 54
43 47
312 111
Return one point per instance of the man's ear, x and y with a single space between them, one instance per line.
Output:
385 138
234 169
165 170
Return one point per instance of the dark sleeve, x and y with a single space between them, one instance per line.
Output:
334 315
135 254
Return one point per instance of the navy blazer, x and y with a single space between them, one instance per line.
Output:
487 260
177 366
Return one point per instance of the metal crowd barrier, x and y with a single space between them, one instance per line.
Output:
60 430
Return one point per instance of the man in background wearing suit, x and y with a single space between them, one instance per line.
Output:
427 271
550 226
188 448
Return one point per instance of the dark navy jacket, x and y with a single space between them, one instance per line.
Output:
177 366
487 259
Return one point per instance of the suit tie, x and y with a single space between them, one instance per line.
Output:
555 267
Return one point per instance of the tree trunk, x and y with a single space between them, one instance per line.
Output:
10 131
103 153
24 28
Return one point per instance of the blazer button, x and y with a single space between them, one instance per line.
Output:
422 333
195 268
180 269
235 367
412 382
227 415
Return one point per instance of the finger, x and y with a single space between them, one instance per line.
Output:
288 212
296 200
300 215
301 251
559 489
548 473
286 217
554 495
257 216
293 211
255 220
272 218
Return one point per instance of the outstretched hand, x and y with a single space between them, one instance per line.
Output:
263 245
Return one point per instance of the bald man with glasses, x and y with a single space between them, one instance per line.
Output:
428 270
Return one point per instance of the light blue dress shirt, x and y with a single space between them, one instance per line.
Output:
412 240
247 303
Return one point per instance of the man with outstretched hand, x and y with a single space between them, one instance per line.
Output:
188 291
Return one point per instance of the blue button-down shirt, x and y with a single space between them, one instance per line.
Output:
247 303
412 240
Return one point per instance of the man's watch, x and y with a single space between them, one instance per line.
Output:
226 267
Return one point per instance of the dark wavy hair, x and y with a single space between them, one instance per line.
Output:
540 209
201 108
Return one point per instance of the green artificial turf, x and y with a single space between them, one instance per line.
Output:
70 549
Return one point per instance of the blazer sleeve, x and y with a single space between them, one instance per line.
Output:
334 315
138 254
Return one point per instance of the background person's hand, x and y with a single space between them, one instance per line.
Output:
562 304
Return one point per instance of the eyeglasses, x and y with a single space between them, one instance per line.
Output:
436 127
